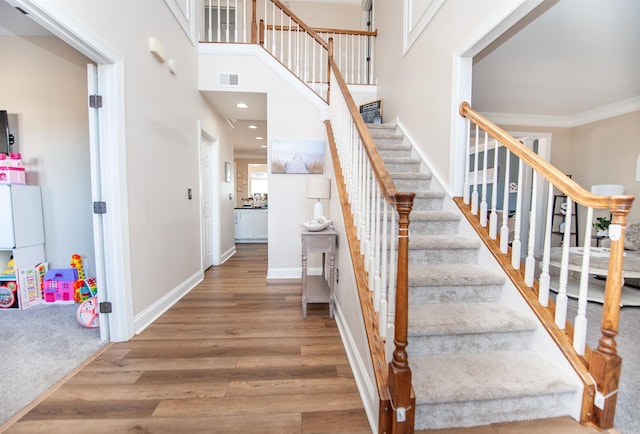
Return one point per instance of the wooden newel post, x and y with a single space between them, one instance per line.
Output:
254 23
399 377
329 57
605 362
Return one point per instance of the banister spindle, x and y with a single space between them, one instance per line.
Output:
530 261
580 321
504 229
545 277
561 298
466 194
493 217
485 167
474 194
516 245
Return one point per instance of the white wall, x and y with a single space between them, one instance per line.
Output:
418 88
44 87
293 113
162 138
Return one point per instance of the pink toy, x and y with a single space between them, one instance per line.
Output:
59 285
87 313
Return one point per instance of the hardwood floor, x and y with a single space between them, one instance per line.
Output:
234 356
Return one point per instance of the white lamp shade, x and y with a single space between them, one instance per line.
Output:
607 189
318 187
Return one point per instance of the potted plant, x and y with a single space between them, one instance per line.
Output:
601 225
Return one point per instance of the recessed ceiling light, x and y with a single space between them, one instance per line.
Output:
242 105
259 138
263 146
253 127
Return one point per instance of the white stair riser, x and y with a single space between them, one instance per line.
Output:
434 345
440 256
453 294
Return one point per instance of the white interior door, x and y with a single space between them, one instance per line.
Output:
206 201
96 194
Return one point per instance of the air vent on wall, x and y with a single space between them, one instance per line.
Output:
227 79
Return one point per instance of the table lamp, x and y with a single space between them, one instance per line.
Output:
318 188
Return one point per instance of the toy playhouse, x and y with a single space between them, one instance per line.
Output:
59 285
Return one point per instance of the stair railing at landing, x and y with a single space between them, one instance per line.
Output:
377 223
302 49
496 166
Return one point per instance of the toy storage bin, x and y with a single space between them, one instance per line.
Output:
12 175
58 285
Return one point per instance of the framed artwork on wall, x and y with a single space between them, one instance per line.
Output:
297 156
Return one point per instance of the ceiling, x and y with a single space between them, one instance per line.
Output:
566 58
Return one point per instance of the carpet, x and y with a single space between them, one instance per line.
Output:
40 346
630 296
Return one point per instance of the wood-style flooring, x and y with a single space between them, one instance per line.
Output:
233 356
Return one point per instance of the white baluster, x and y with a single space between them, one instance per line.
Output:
391 295
561 298
226 32
474 194
244 21
483 202
545 278
580 325
504 229
289 45
517 245
219 35
235 30
377 253
210 28
530 261
493 218
384 292
364 247
466 194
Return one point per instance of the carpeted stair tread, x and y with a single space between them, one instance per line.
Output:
429 194
396 145
442 242
452 275
494 375
402 160
466 319
382 126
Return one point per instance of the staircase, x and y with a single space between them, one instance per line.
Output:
471 355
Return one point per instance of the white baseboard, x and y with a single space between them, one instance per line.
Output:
153 312
367 389
284 273
226 255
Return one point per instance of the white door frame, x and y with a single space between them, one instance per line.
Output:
112 162
208 139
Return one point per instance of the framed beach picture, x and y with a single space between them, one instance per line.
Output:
297 156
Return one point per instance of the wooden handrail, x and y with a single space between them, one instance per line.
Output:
561 181
604 363
322 30
399 373
382 174
298 21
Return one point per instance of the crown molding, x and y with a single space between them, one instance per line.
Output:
570 121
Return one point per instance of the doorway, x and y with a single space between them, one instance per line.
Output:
210 221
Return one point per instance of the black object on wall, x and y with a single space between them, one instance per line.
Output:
6 139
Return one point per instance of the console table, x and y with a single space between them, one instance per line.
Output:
319 289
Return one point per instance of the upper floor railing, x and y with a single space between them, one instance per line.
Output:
302 49
527 210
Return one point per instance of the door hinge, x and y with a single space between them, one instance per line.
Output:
105 307
99 207
95 101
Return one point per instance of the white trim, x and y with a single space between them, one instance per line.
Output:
153 312
211 140
186 17
112 154
411 33
366 388
605 112
284 273
228 254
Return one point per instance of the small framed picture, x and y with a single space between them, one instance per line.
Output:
227 171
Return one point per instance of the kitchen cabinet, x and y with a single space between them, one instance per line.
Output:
251 225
